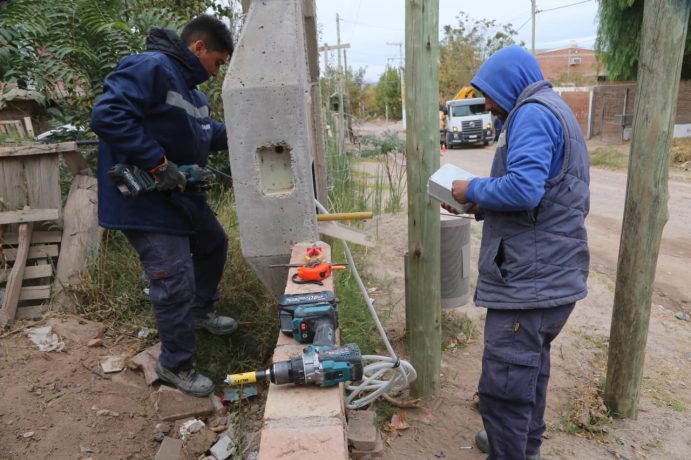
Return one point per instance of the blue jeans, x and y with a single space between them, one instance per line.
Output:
515 374
183 273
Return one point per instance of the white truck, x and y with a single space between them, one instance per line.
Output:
466 122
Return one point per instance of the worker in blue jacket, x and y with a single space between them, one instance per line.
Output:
153 116
534 257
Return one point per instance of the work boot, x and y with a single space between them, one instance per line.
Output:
482 442
215 324
189 381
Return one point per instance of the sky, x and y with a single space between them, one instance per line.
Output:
368 25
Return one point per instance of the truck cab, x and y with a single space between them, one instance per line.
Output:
467 122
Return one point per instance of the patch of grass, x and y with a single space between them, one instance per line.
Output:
586 414
457 330
655 389
681 150
384 411
610 157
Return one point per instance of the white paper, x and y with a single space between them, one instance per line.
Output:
440 183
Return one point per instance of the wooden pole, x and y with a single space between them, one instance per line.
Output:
422 155
663 36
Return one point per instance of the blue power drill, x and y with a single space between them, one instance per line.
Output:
132 180
325 366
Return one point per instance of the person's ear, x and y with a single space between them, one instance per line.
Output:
197 46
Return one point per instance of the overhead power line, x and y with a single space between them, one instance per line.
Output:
562 6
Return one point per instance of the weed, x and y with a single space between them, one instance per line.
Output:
610 157
457 329
654 389
384 412
586 415
681 151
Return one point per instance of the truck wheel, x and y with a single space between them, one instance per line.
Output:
486 143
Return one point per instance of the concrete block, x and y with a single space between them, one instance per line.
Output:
362 434
302 443
172 404
291 401
266 101
376 452
171 449
146 361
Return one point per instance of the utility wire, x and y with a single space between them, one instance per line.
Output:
562 6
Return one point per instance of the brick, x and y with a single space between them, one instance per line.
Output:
171 449
362 434
172 404
302 443
377 451
291 401
146 360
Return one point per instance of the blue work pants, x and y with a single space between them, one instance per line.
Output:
183 273
515 374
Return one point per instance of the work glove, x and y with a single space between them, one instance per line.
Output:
168 176
197 176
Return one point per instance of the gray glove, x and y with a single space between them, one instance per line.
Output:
168 176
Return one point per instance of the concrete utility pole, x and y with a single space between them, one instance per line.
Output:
341 128
401 77
663 36
533 11
423 304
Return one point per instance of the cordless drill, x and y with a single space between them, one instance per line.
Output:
132 180
324 366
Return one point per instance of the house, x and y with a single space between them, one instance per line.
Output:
571 66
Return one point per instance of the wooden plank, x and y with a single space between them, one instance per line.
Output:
36 238
35 293
32 181
31 272
29 126
28 215
80 238
35 252
27 149
342 232
14 281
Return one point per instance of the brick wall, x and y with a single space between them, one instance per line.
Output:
569 65
608 103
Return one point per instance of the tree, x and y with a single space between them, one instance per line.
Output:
619 39
355 82
64 49
388 93
464 48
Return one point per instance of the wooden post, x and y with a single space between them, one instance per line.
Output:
422 154
663 36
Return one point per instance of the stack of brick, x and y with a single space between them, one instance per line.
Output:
364 439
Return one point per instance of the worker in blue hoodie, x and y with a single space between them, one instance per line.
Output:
534 257
153 116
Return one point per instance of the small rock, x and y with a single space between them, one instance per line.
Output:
158 437
106 412
163 428
28 434
224 448
86 449
682 315
95 343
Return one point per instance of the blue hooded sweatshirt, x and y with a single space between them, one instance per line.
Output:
536 150
151 107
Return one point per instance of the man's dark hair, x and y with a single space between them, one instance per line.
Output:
214 33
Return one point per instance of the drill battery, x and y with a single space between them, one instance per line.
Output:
315 324
287 304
